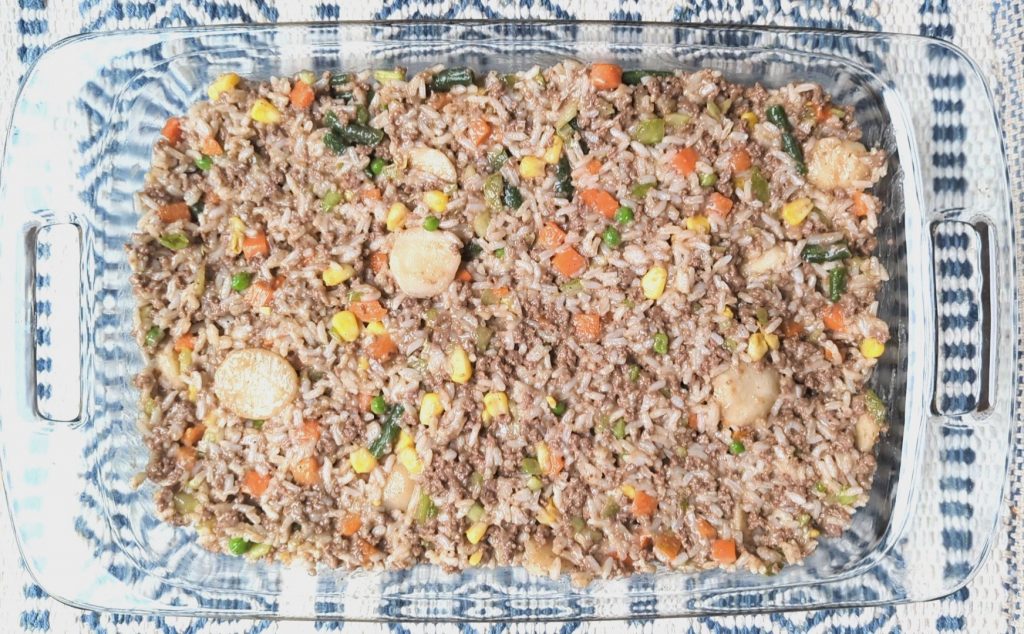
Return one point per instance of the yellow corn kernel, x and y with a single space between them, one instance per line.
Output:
476 532
264 112
872 348
653 282
551 401
543 456
772 340
237 235
495 405
726 312
548 516
459 366
476 558
757 347
362 460
184 360
531 167
628 490
376 328
796 211
336 274
345 326
698 224
554 152
436 201
431 409
397 213
227 81
404 441
410 460
193 393
364 364
749 118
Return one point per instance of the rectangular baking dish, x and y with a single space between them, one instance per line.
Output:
79 145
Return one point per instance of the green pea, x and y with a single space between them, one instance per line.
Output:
634 373
204 162
377 166
619 428
559 408
499 253
378 405
624 215
736 448
239 545
154 336
362 114
531 466
330 200
611 236
241 281
708 179
660 344
431 223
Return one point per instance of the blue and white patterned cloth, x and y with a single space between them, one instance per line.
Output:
992 32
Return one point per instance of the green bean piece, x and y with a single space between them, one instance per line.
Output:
239 545
497 158
389 429
639 192
792 147
494 187
471 251
836 283
431 223
331 120
660 343
777 115
531 466
634 77
874 405
384 76
360 134
333 142
511 196
818 253
563 178
196 209
154 335
362 115
425 508
651 131
338 81
174 241
451 77
241 281
330 200
572 287
378 405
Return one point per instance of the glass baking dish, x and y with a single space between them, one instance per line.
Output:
80 141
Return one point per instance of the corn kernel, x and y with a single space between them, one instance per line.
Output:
364 364
476 558
551 401
531 167
184 360
757 347
226 81
376 328
548 516
436 201
795 212
495 405
726 312
628 490
345 326
410 460
476 532
749 118
872 348
404 441
265 112
698 224
544 456
237 235
772 340
362 460
336 274
193 393
554 152
431 409
653 282
397 214
459 367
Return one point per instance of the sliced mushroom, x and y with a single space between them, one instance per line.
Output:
746 393
255 383
836 163
433 162
424 262
771 260
865 432
398 489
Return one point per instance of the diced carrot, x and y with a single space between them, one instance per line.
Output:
463 275
173 212
500 291
185 342
594 166
212 198
685 161
860 206
792 329
600 201
368 550
706 530
480 131
724 551
260 294
740 160
667 545
644 504
834 318
350 525
256 245
302 95
187 457
692 421
587 327
556 462
606 76
309 433
550 236
824 112
372 193
568 262
378 260
382 347
307 471
210 147
719 204
370 310
193 434
172 130
364 400
255 482
642 541
439 100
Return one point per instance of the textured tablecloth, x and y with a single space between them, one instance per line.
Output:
991 32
